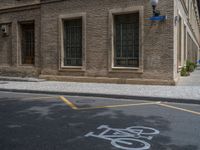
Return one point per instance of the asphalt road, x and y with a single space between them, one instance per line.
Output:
52 122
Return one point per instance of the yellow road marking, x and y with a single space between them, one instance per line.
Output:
178 108
115 106
70 104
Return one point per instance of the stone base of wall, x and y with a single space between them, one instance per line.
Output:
108 80
19 71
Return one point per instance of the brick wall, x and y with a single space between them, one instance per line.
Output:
156 41
15 3
5 48
10 63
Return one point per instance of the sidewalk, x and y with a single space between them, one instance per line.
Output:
188 90
192 80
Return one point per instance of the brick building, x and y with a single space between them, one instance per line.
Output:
98 40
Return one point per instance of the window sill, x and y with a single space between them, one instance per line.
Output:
27 66
126 69
72 68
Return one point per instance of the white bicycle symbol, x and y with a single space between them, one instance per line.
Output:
127 139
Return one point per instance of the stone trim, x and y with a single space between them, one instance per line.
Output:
61 42
119 11
184 6
179 11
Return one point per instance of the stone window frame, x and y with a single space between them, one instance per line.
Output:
62 18
120 11
181 22
185 5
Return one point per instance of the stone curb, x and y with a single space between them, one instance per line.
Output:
21 79
162 99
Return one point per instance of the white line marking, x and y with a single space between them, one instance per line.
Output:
130 138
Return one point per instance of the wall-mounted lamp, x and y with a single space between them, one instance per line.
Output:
156 14
154 4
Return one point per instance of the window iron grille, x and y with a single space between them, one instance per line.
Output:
73 42
126 52
28 43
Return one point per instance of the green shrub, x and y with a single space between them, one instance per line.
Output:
190 66
184 72
195 65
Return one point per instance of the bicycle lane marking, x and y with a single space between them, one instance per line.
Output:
126 138
178 108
